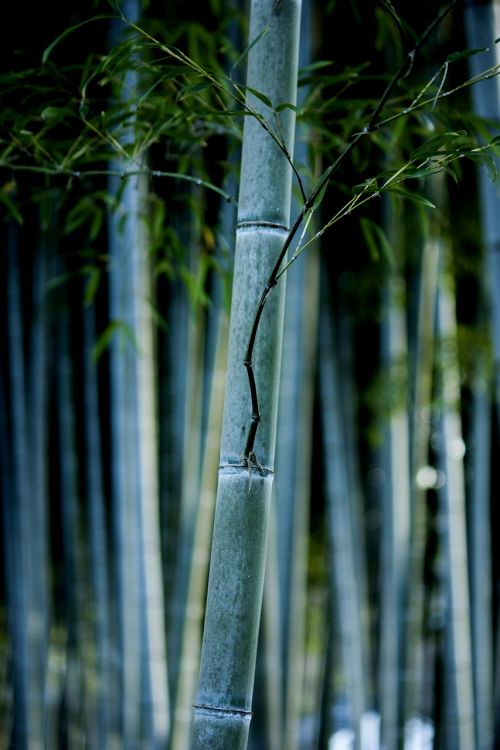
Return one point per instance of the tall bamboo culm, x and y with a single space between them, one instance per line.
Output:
223 710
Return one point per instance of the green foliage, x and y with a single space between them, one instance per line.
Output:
74 118
116 328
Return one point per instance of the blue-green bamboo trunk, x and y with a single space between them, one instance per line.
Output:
224 699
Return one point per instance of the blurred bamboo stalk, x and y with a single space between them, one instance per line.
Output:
482 26
294 449
27 622
190 644
73 582
396 507
102 696
460 716
422 477
144 711
343 569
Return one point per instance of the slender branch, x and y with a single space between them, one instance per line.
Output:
122 174
407 64
372 124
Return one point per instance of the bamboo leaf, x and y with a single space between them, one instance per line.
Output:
55 113
194 88
67 32
433 145
287 105
409 195
104 340
11 207
263 98
377 241
318 65
465 53
247 49
92 286
485 160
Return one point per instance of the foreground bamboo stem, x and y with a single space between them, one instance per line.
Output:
223 710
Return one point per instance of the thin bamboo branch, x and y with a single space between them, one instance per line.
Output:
309 205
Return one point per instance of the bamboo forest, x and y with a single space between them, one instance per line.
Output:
250 375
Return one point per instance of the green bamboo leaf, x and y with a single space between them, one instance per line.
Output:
263 98
433 145
67 32
321 194
55 113
194 88
318 65
247 49
377 240
287 105
485 160
465 53
92 286
11 207
408 194
104 340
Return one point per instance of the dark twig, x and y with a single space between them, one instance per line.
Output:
372 124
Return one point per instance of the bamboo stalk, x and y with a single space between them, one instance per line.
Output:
396 495
222 714
480 559
38 408
421 429
103 697
73 575
294 449
396 511
27 725
192 625
460 725
191 470
482 23
266 729
144 689
345 583
293 492
483 26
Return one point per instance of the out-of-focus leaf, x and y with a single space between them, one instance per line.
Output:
92 286
465 53
409 195
104 340
194 88
485 160
433 145
376 240
56 113
11 207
